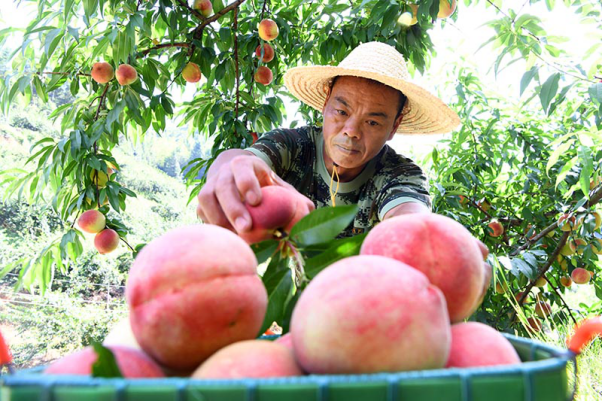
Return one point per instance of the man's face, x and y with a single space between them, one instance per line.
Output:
359 117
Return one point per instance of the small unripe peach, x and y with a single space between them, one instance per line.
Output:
541 282
99 178
566 281
484 204
597 219
102 72
268 30
92 221
566 222
568 248
191 73
264 75
405 19
126 74
106 241
519 295
204 6
580 276
496 228
500 288
268 53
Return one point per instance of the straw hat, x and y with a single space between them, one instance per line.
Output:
423 112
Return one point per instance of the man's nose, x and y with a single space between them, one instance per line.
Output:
352 128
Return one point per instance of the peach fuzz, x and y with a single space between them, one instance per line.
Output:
366 314
280 209
249 359
192 291
476 344
439 247
132 363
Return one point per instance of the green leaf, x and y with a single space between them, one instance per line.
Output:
526 79
105 365
548 90
264 250
587 168
279 288
523 267
560 150
595 92
322 225
339 249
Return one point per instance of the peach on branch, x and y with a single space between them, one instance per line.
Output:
495 228
439 247
484 205
334 332
446 8
268 53
568 248
192 291
567 222
543 309
279 210
519 295
580 276
132 363
263 75
106 241
102 72
534 324
268 30
126 74
99 178
476 344
566 281
191 73
92 221
205 7
579 245
249 359
500 288
541 282
405 19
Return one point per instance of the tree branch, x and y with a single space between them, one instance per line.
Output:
236 62
162 46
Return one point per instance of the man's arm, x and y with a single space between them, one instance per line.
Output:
406 208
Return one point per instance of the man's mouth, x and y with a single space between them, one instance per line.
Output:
346 150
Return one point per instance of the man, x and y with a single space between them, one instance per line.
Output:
365 101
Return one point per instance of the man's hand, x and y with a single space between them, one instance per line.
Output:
237 179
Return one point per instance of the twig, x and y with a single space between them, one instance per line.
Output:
162 46
62 73
216 16
236 62
265 4
125 242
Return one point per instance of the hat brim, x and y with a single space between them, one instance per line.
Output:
424 113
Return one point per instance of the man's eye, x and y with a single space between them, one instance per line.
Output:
341 112
373 123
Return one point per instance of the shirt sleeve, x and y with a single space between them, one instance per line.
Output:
277 148
403 182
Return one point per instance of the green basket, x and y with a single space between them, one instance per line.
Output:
542 376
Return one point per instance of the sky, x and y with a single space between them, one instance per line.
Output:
455 39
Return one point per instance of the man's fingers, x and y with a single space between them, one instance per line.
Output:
229 199
210 211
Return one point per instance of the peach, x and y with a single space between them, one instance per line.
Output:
580 276
439 247
366 314
476 344
405 19
518 297
446 8
264 75
192 291
191 73
543 309
500 288
483 203
268 30
92 221
286 340
121 334
597 246
132 363
568 248
106 241
566 222
496 228
249 359
205 7
99 178
534 324
541 282
102 72
268 53
597 220
566 281
280 209
126 74
414 8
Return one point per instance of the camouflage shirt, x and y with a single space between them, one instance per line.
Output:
388 180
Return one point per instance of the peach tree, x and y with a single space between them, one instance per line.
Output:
522 164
